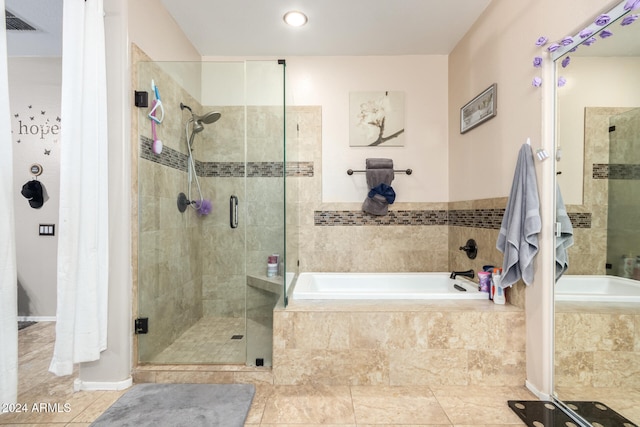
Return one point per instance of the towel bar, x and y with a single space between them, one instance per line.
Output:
407 171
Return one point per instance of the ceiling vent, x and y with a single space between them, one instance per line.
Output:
16 24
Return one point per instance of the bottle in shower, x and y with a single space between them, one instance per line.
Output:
498 297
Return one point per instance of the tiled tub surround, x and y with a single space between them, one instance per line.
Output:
597 345
419 230
399 343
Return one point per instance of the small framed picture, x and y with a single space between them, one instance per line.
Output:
480 109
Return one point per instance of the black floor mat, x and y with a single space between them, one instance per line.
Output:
22 324
539 413
597 412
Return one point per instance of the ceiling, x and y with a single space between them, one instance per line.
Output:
335 27
256 27
46 17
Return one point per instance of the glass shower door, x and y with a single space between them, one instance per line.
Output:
202 278
623 238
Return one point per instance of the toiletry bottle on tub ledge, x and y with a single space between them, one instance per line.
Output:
498 292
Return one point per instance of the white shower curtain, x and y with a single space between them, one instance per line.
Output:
8 272
81 328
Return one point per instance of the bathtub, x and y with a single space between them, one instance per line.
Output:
412 286
597 289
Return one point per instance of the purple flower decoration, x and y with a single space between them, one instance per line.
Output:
553 47
543 40
629 19
537 82
574 49
605 33
537 62
590 41
561 81
632 4
566 41
602 20
585 33
566 61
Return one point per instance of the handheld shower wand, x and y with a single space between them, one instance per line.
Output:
197 125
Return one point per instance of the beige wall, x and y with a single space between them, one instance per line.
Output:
327 82
500 49
587 86
35 86
157 33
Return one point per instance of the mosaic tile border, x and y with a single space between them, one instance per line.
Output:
220 169
399 217
615 171
177 160
472 218
600 171
477 218
580 219
169 157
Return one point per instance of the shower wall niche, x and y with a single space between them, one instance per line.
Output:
202 282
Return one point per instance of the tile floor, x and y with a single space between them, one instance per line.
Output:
208 341
273 405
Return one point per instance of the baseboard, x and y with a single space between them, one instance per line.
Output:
540 395
36 318
79 385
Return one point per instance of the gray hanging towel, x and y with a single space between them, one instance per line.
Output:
521 223
378 171
565 239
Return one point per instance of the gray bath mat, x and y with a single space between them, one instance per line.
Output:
180 405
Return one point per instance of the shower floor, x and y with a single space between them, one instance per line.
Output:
208 341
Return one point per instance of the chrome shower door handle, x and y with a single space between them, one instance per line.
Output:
233 211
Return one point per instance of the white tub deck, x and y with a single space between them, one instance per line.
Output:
384 286
597 289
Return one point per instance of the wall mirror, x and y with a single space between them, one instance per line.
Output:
597 300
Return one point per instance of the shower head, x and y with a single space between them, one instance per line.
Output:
206 119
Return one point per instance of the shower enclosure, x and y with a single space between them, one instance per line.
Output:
203 293
623 249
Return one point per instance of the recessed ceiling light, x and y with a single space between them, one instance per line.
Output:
295 18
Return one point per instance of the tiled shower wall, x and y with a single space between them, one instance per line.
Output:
169 271
221 149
